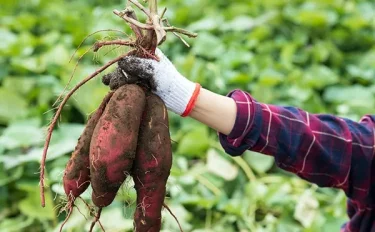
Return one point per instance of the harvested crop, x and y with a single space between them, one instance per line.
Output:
114 143
77 173
152 165
111 145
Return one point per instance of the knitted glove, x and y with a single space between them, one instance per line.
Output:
178 93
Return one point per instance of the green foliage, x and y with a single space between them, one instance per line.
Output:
317 55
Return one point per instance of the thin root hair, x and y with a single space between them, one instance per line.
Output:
72 75
84 40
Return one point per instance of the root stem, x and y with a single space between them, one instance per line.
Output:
71 76
71 58
99 45
170 211
67 217
141 7
97 217
132 21
181 31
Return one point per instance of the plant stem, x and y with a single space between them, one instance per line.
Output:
174 216
141 7
242 163
153 4
181 31
132 21
121 42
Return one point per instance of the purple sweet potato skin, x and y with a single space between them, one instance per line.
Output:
152 165
114 143
77 172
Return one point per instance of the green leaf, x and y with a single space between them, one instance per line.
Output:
361 73
287 225
208 46
332 223
115 215
25 21
311 16
355 22
195 142
8 39
306 209
234 58
321 51
13 106
21 85
352 95
58 55
196 200
183 215
29 64
287 54
276 194
240 23
89 97
67 131
63 141
259 162
261 32
234 206
319 76
301 93
31 206
237 78
256 190
11 175
21 135
16 224
270 77
220 166
243 23
206 24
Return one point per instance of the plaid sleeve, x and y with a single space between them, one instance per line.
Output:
323 149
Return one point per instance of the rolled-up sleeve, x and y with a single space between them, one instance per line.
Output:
323 149
247 125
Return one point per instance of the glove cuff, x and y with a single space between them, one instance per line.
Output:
182 97
190 106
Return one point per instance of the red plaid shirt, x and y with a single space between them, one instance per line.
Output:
323 149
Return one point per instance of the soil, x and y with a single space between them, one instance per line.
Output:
136 73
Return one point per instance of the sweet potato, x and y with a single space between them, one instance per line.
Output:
77 172
152 165
114 143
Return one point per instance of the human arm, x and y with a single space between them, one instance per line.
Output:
323 149
216 111
180 95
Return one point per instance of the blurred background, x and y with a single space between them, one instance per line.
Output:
318 55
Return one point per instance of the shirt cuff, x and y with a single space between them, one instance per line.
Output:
246 130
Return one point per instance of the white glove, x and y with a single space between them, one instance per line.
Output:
178 93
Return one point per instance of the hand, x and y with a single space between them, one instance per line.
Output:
178 93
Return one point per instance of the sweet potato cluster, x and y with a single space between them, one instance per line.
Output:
127 137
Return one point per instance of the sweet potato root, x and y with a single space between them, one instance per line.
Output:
152 165
77 172
114 143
